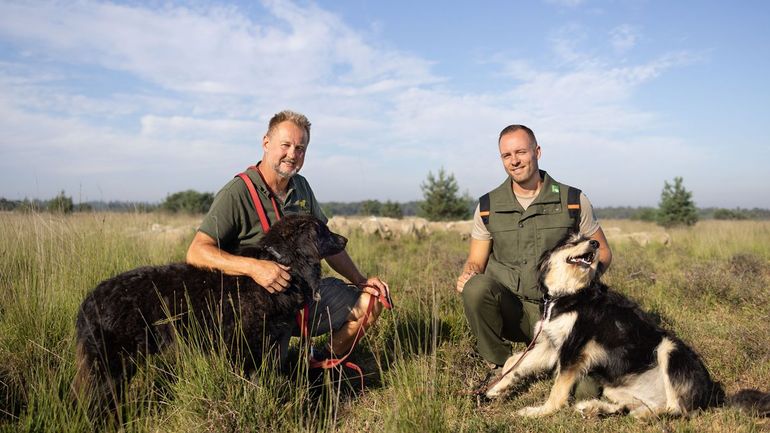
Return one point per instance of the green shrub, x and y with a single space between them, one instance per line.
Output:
190 201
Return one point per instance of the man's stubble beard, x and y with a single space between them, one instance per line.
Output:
284 174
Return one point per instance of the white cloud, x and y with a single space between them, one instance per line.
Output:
565 3
566 45
623 38
213 49
182 127
593 91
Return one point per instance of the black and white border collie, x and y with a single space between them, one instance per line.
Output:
588 329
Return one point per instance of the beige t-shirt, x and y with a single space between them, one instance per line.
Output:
588 223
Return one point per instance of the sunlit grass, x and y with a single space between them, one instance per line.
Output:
709 284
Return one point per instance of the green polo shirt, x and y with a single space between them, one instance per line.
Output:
233 221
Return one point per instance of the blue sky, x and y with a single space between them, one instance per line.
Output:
136 100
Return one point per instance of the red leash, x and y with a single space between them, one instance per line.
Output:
303 318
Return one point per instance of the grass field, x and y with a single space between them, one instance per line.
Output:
709 285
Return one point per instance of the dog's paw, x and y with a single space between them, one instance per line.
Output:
587 410
534 411
500 389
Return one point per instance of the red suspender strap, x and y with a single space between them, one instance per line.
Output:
272 200
257 202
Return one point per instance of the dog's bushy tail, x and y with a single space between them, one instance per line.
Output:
92 385
752 401
83 384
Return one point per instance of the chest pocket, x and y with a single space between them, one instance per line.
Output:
552 230
506 231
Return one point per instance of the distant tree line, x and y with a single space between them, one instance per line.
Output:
676 208
388 208
649 213
441 202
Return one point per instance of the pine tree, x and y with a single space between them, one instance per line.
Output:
676 206
441 202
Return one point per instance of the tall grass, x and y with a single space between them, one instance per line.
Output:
710 285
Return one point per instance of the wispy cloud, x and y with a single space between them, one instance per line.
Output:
565 3
623 38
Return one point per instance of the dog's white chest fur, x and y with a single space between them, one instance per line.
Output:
558 329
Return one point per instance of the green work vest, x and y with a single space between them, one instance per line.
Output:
520 237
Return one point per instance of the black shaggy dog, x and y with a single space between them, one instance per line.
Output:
589 329
140 312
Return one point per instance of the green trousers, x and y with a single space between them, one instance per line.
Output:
497 317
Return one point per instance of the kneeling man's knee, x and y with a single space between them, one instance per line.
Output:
478 291
362 308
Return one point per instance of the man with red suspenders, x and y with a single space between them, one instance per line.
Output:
234 221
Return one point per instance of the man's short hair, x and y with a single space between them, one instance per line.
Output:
291 116
513 128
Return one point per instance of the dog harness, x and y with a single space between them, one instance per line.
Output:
303 316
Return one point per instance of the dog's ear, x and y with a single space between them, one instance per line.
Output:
328 242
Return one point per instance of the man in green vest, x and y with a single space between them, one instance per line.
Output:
514 224
233 221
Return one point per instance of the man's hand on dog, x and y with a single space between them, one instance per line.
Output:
373 286
274 277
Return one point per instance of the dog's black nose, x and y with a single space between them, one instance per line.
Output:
594 243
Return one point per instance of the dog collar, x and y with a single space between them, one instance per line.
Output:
547 306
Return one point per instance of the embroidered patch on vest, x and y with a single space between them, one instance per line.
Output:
555 189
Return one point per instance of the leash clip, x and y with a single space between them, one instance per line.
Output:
275 253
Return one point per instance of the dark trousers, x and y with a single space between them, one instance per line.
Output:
497 317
